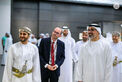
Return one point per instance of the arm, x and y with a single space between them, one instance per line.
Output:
74 55
120 54
6 45
108 65
36 67
7 75
79 68
62 55
2 41
41 54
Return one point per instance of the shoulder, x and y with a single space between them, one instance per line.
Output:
32 45
120 43
105 43
60 42
3 38
72 39
45 39
14 46
78 42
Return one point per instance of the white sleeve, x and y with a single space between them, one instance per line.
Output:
7 75
108 65
36 67
6 45
79 68
120 54
74 55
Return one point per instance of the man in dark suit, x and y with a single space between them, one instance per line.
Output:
52 55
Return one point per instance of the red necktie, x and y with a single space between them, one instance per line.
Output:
52 54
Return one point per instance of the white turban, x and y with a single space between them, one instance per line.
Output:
96 26
25 29
65 28
42 34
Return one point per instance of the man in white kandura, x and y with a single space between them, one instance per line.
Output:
32 39
117 57
22 63
40 38
80 43
67 67
95 61
8 43
77 48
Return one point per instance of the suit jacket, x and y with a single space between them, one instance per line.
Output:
44 52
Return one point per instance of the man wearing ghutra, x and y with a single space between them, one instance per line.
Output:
23 60
95 60
70 56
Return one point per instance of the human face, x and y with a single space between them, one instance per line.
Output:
56 33
115 38
85 36
93 33
65 32
7 35
23 36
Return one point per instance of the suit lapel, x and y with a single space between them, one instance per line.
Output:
48 46
57 49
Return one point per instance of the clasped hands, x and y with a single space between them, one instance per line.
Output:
52 68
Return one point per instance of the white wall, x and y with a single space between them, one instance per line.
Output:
5 13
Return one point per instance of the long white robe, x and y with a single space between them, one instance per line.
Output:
8 43
117 70
95 62
17 55
66 73
77 48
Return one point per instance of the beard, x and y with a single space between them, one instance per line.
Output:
85 39
91 35
65 34
23 39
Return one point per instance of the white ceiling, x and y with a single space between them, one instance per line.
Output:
100 1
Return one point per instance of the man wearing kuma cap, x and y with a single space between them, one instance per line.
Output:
95 61
23 60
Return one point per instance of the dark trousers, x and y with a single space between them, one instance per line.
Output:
47 75
3 48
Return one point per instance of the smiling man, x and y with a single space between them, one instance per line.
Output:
23 60
95 60
52 55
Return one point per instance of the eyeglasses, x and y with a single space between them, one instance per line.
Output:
56 32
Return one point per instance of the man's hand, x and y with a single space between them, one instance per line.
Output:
52 68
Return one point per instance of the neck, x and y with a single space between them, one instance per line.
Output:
53 39
24 42
115 41
85 40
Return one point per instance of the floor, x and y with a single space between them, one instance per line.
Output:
1 70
